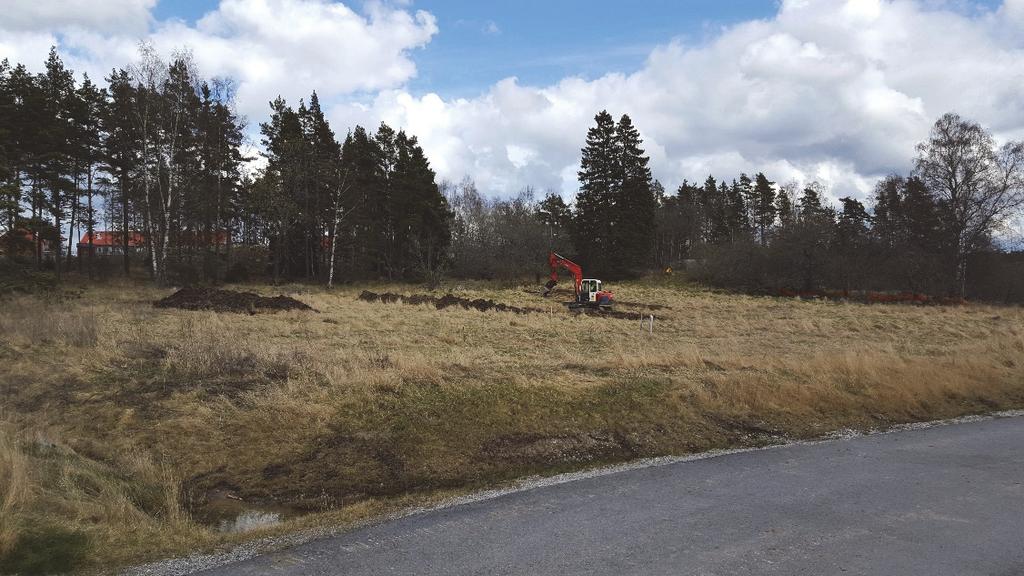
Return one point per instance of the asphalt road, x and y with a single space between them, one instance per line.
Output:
942 500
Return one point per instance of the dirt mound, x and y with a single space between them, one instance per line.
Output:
446 301
228 301
483 305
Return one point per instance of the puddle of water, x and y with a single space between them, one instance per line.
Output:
249 520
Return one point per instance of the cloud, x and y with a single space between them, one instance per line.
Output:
828 91
111 16
269 47
838 91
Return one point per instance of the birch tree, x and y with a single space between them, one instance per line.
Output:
978 185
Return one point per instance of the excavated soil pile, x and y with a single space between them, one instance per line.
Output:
446 301
481 304
228 301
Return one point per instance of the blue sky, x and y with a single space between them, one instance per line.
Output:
833 91
541 41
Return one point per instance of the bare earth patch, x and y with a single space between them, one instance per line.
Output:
228 301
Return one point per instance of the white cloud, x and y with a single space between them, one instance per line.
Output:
270 47
112 16
491 27
837 92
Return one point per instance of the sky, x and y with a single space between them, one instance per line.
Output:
834 91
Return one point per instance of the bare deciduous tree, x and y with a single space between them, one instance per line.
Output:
979 186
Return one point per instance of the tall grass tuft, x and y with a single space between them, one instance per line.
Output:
14 487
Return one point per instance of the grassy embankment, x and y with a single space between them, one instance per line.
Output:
129 432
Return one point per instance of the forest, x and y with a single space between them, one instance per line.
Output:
157 157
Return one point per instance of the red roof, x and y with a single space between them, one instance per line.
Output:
108 238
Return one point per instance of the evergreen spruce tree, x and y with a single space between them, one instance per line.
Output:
421 216
716 229
600 178
635 204
691 216
368 239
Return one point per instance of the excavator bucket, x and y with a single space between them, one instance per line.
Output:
549 286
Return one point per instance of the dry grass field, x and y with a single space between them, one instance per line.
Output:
130 433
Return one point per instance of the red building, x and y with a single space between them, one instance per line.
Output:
107 243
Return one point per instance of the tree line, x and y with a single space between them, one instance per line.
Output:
157 156
933 231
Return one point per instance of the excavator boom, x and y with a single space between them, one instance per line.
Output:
558 261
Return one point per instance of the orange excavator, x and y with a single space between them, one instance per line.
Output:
587 290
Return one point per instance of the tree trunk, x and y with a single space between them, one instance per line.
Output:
74 216
90 225
124 224
334 243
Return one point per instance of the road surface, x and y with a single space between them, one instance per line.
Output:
941 500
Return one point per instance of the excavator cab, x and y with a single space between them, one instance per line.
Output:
589 288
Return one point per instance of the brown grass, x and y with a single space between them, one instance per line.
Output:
146 427
14 485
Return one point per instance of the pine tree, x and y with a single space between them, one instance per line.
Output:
91 103
750 199
57 134
739 224
810 201
763 207
122 159
713 204
322 176
281 186
887 208
784 207
10 185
